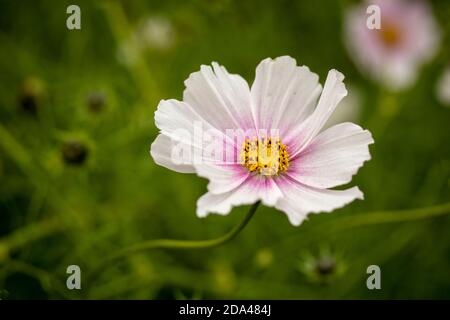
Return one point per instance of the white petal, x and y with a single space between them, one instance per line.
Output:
250 191
179 121
172 116
283 94
223 203
222 178
332 157
221 98
333 92
161 151
300 200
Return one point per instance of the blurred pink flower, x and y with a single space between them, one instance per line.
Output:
293 167
393 54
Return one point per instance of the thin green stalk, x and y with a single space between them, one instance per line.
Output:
16 151
176 244
389 216
388 106
185 244
122 32
26 235
47 280
362 219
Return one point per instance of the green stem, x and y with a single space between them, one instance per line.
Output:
346 222
122 32
47 280
387 108
16 151
27 235
393 216
182 244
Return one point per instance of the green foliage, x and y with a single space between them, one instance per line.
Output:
78 183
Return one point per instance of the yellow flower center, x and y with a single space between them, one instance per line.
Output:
265 156
390 35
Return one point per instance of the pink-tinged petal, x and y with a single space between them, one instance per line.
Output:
250 191
161 152
220 98
299 200
283 94
269 191
333 92
332 157
222 178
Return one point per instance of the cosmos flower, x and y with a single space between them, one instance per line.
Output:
407 38
273 130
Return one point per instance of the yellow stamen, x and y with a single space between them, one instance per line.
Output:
265 156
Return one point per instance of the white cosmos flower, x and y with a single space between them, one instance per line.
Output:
285 159
408 37
156 32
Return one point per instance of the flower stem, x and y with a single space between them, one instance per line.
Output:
388 216
182 244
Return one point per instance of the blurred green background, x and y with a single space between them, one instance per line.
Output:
78 183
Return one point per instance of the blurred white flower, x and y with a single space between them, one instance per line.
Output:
409 36
443 87
283 157
156 32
